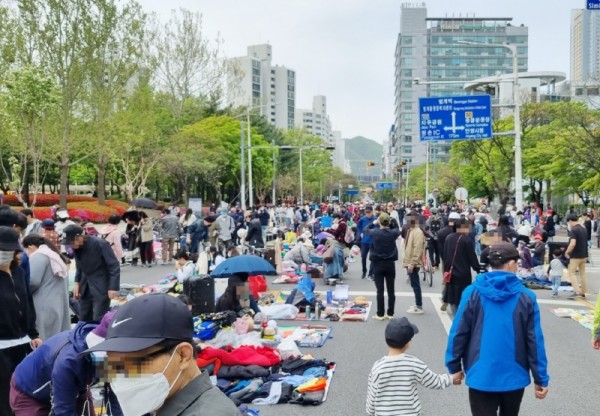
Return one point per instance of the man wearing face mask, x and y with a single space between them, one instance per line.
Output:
57 377
152 361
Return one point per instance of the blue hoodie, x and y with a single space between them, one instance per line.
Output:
496 335
70 374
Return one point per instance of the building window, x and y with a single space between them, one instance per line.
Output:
407 51
407 106
406 61
407 116
407 72
593 91
407 40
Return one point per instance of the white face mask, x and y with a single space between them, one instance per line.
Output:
143 394
6 256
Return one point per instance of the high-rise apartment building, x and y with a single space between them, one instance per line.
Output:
430 61
316 121
585 45
253 81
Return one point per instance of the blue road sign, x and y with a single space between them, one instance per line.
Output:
593 4
352 192
380 186
455 118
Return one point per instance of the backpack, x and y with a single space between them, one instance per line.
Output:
304 215
349 236
435 226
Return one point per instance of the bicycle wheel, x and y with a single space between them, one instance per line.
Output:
429 275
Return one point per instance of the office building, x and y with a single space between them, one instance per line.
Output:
316 121
430 61
585 45
253 81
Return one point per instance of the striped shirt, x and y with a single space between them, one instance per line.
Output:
393 382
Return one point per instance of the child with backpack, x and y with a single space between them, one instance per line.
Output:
556 269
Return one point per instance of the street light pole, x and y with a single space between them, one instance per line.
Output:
242 167
516 117
301 180
427 177
274 202
250 190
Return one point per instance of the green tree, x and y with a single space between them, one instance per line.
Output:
31 98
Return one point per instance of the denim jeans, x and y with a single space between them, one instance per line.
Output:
364 252
555 284
415 283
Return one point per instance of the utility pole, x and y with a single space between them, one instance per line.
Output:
250 190
242 167
274 201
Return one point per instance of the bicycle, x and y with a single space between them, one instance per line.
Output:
427 269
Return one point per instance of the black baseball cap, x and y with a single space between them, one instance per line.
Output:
503 251
70 232
400 331
146 321
9 239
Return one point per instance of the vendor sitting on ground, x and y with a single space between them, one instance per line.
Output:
214 258
236 297
298 254
321 247
184 266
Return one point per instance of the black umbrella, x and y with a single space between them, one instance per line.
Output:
246 265
132 215
144 203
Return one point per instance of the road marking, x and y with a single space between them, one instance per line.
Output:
436 296
444 317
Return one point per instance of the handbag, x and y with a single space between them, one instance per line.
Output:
448 275
328 255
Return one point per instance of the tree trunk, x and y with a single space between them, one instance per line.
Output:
101 187
548 193
26 180
64 182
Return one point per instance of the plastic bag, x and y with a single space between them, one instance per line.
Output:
288 348
280 311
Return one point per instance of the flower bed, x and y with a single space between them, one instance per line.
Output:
89 211
46 200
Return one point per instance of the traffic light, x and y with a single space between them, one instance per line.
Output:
370 163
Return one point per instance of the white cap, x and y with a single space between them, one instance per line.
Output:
454 216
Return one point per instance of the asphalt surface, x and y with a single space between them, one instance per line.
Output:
574 366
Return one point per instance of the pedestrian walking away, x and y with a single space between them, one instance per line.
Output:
169 226
496 338
577 253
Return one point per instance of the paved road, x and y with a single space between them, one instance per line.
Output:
574 366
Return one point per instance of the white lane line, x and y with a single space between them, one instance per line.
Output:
444 317
436 296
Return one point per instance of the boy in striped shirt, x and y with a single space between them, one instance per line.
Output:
393 379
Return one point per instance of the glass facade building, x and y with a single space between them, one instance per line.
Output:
430 61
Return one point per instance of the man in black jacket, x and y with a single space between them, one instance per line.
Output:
384 253
98 275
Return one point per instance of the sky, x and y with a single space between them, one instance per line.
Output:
344 49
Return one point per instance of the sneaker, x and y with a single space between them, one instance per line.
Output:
371 278
415 310
379 318
444 307
577 295
363 275
554 295
388 316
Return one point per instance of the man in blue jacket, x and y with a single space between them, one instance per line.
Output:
57 373
496 338
365 240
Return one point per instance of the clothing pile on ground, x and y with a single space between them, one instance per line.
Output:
259 376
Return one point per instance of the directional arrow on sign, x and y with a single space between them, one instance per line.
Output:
454 126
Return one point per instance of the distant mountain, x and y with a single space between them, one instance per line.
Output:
359 151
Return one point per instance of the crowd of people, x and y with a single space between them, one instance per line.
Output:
36 334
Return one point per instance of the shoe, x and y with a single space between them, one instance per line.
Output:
415 310
379 318
554 295
371 278
149 265
444 307
363 275
388 316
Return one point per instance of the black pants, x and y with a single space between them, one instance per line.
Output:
434 253
93 309
364 252
486 403
385 272
9 359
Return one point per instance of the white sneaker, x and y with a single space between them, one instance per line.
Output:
415 310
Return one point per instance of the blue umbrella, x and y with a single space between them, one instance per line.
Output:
247 265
